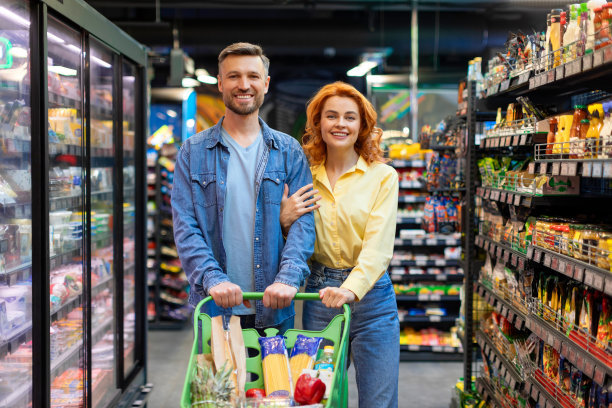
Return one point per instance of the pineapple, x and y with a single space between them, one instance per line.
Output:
210 389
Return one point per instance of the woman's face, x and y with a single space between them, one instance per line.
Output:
340 122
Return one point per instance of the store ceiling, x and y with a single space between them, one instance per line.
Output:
329 35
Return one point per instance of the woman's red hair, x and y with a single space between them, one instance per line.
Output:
367 144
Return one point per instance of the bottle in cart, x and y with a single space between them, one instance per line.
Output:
326 362
325 368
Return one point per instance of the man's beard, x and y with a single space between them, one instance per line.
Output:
244 110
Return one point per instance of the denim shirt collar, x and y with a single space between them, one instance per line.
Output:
215 135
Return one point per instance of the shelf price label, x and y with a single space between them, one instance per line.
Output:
524 77
586 169
597 170
578 273
587 62
559 72
556 166
543 168
598 58
547 260
417 242
517 200
435 319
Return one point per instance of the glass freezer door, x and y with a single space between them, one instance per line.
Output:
15 207
67 215
129 216
103 201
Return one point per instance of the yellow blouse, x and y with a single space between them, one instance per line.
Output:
355 224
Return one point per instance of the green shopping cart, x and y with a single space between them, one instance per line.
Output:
336 332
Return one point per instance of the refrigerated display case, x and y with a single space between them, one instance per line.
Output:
72 213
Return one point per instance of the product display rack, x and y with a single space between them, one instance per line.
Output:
423 270
559 88
167 316
71 208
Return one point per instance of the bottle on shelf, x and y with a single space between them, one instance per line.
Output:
595 124
555 36
571 35
590 7
552 134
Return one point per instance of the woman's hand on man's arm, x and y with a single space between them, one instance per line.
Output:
293 207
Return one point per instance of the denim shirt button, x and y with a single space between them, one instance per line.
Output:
256 238
257 266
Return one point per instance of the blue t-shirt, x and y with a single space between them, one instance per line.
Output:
239 213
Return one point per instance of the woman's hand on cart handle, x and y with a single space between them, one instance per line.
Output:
227 294
300 203
278 295
336 297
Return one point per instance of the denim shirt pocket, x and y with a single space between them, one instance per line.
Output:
273 185
204 190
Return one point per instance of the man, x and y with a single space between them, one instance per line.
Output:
228 185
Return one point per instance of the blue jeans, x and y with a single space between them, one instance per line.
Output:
373 336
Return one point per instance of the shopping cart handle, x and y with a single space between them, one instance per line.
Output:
298 296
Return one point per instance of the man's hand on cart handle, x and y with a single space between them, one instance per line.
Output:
336 297
278 295
227 294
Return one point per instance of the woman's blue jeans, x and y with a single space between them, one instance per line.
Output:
373 336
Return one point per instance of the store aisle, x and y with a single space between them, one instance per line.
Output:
423 385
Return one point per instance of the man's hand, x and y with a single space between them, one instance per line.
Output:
336 297
227 294
278 295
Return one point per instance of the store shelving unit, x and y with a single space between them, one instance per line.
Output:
556 88
164 280
422 269
71 208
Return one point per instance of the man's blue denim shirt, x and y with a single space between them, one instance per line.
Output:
198 198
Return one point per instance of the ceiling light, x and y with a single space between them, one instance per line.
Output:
362 69
100 62
60 70
18 52
188 82
74 48
207 79
55 38
14 17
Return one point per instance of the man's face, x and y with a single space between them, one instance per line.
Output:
243 83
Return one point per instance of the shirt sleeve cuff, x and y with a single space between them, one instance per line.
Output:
355 286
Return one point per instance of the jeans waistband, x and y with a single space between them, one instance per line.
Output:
317 269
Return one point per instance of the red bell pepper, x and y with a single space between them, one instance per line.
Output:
255 393
308 390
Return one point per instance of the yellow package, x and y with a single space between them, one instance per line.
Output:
275 364
303 355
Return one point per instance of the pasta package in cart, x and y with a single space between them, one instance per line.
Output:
303 355
275 364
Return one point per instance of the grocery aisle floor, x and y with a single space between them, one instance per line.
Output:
422 385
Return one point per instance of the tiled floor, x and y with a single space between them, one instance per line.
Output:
421 385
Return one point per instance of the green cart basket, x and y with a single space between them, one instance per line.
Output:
336 332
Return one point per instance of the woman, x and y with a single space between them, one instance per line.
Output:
355 229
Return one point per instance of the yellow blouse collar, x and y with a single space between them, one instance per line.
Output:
318 171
